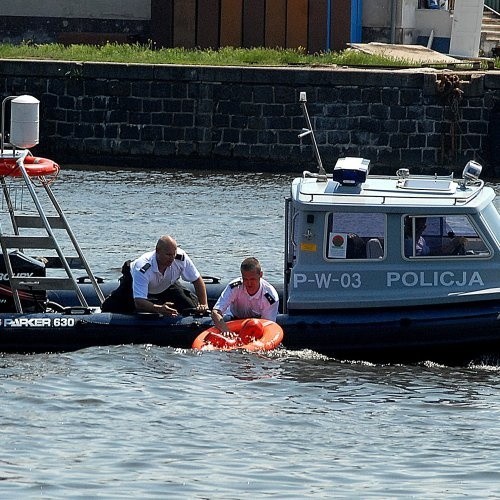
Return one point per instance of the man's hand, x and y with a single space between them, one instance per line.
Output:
229 334
167 310
221 324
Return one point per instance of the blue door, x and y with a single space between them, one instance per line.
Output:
356 20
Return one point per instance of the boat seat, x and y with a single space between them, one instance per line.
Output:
374 249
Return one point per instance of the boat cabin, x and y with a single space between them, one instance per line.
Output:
355 240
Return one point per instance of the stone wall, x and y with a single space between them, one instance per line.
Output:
249 118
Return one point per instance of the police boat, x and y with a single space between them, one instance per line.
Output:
403 267
399 268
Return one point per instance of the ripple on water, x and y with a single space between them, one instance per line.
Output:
146 421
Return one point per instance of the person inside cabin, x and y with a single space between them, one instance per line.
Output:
249 296
454 245
150 283
155 278
420 245
356 247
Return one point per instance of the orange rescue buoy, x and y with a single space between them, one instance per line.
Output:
251 335
35 167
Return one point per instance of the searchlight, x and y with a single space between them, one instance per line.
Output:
471 172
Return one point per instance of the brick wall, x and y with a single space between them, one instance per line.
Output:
249 118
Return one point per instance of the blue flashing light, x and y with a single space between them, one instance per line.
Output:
351 171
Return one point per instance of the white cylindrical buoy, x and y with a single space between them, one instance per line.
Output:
24 121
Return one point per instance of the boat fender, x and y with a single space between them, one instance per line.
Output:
236 283
270 298
145 267
180 256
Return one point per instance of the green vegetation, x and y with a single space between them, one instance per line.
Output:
227 56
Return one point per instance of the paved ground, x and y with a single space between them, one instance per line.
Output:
415 53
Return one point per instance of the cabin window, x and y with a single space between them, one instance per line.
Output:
442 235
355 236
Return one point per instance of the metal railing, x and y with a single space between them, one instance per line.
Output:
492 4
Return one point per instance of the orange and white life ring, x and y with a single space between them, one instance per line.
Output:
35 167
251 335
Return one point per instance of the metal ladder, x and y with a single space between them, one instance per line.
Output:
39 220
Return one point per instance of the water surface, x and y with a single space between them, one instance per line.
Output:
150 422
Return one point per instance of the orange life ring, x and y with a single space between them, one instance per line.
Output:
251 335
34 166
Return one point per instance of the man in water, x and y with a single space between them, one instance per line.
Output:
247 297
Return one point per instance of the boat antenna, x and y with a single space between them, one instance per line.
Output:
309 130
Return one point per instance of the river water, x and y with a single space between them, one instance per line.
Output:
150 422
